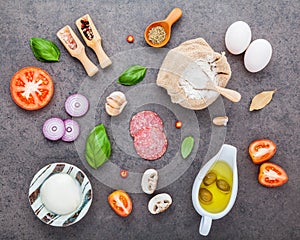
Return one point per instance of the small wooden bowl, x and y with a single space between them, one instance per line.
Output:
174 15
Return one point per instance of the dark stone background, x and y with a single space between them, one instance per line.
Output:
259 212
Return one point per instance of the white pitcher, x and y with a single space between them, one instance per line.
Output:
227 154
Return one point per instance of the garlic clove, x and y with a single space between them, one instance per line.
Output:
118 97
220 121
112 111
115 103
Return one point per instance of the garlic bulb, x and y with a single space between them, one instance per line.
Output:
115 103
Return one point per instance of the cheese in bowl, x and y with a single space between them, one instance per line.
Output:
60 194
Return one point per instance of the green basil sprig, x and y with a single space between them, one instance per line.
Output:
97 149
132 75
44 50
187 146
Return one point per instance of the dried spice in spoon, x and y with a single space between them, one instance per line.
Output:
157 35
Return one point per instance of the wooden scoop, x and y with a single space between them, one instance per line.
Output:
200 81
174 15
92 38
230 94
76 49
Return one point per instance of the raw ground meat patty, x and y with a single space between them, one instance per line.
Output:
150 143
145 119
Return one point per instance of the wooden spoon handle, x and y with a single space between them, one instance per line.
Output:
174 15
230 94
90 68
102 57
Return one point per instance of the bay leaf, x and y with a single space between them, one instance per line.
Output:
261 100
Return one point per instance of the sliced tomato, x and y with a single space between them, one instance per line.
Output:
272 175
262 150
120 202
31 88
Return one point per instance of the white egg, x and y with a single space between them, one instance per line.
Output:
238 37
60 194
258 55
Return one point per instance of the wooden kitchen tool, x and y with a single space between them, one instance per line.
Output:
92 38
200 81
76 49
230 94
173 17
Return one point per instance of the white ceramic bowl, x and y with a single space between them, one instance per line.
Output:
39 208
227 153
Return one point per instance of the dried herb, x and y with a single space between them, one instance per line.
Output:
261 100
132 75
157 35
97 149
187 146
44 50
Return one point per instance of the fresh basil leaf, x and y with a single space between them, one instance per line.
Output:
44 50
97 149
187 146
132 75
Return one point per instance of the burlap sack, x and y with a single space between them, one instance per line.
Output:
178 60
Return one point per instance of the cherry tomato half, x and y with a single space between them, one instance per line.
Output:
120 202
261 150
272 175
31 88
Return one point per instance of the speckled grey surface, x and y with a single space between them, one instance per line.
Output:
259 212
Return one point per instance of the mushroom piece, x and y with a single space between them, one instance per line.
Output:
149 181
159 203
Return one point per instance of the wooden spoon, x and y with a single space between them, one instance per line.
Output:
76 49
94 41
200 81
174 15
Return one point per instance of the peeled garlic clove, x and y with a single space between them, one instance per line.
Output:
118 97
115 103
220 121
112 111
149 181
159 203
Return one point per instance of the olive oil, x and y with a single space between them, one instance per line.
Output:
218 182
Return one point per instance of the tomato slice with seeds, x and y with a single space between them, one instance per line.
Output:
261 150
31 88
272 175
120 202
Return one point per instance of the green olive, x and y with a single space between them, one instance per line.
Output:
223 185
205 196
210 178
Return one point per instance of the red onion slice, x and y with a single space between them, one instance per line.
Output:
54 129
77 105
72 130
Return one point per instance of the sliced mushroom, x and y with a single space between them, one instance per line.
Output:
115 103
149 181
159 203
